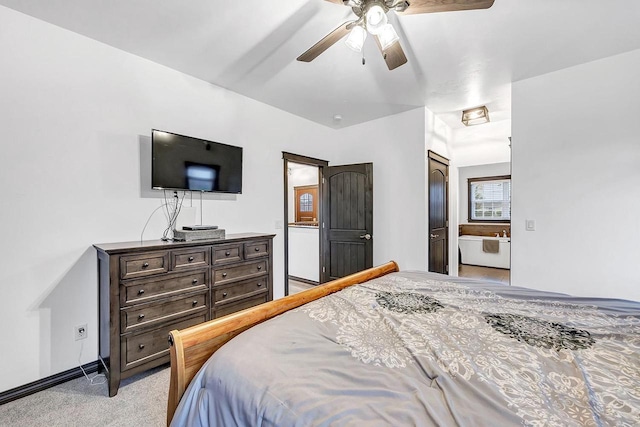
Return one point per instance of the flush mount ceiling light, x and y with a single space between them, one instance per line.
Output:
475 116
371 17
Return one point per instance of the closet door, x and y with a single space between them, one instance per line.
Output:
438 214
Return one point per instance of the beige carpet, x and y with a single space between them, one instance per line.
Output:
141 401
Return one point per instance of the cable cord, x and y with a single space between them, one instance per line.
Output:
149 219
173 209
91 380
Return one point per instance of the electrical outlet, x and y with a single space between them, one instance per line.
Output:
80 332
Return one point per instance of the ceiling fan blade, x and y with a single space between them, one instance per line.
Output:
335 1
326 42
393 55
431 6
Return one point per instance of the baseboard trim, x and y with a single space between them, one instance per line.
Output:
45 383
307 281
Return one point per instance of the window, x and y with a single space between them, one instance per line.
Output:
490 199
306 203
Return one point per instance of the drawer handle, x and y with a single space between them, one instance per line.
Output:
224 274
141 346
224 294
257 249
141 316
259 284
145 265
190 258
259 267
227 253
195 302
194 281
141 291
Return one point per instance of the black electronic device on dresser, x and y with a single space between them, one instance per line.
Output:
147 289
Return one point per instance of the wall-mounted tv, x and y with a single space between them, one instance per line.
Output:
182 162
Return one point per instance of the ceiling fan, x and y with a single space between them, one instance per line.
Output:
372 19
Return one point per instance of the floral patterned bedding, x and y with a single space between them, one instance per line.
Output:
416 348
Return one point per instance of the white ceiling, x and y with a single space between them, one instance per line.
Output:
457 60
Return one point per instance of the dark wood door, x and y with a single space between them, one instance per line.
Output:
438 214
347 206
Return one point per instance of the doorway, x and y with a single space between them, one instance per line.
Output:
328 217
303 212
302 226
484 214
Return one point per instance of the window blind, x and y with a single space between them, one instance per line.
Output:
490 200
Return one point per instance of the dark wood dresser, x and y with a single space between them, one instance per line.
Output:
149 288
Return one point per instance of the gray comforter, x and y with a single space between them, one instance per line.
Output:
422 349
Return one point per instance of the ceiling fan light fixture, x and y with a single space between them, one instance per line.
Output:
356 38
475 116
388 36
375 18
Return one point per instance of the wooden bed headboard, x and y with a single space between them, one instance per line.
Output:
190 348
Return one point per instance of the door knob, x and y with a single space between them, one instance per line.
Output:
433 236
366 236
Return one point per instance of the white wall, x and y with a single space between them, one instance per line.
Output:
76 120
576 172
479 171
482 144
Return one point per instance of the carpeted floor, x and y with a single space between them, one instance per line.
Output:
141 401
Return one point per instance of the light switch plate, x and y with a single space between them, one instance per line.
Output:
531 225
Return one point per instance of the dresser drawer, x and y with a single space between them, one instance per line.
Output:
256 249
144 265
140 348
246 270
190 258
229 293
149 289
225 254
149 315
224 309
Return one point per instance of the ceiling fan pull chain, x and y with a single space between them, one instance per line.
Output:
363 60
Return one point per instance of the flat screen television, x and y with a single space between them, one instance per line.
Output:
182 162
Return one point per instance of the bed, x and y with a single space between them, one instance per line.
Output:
384 347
